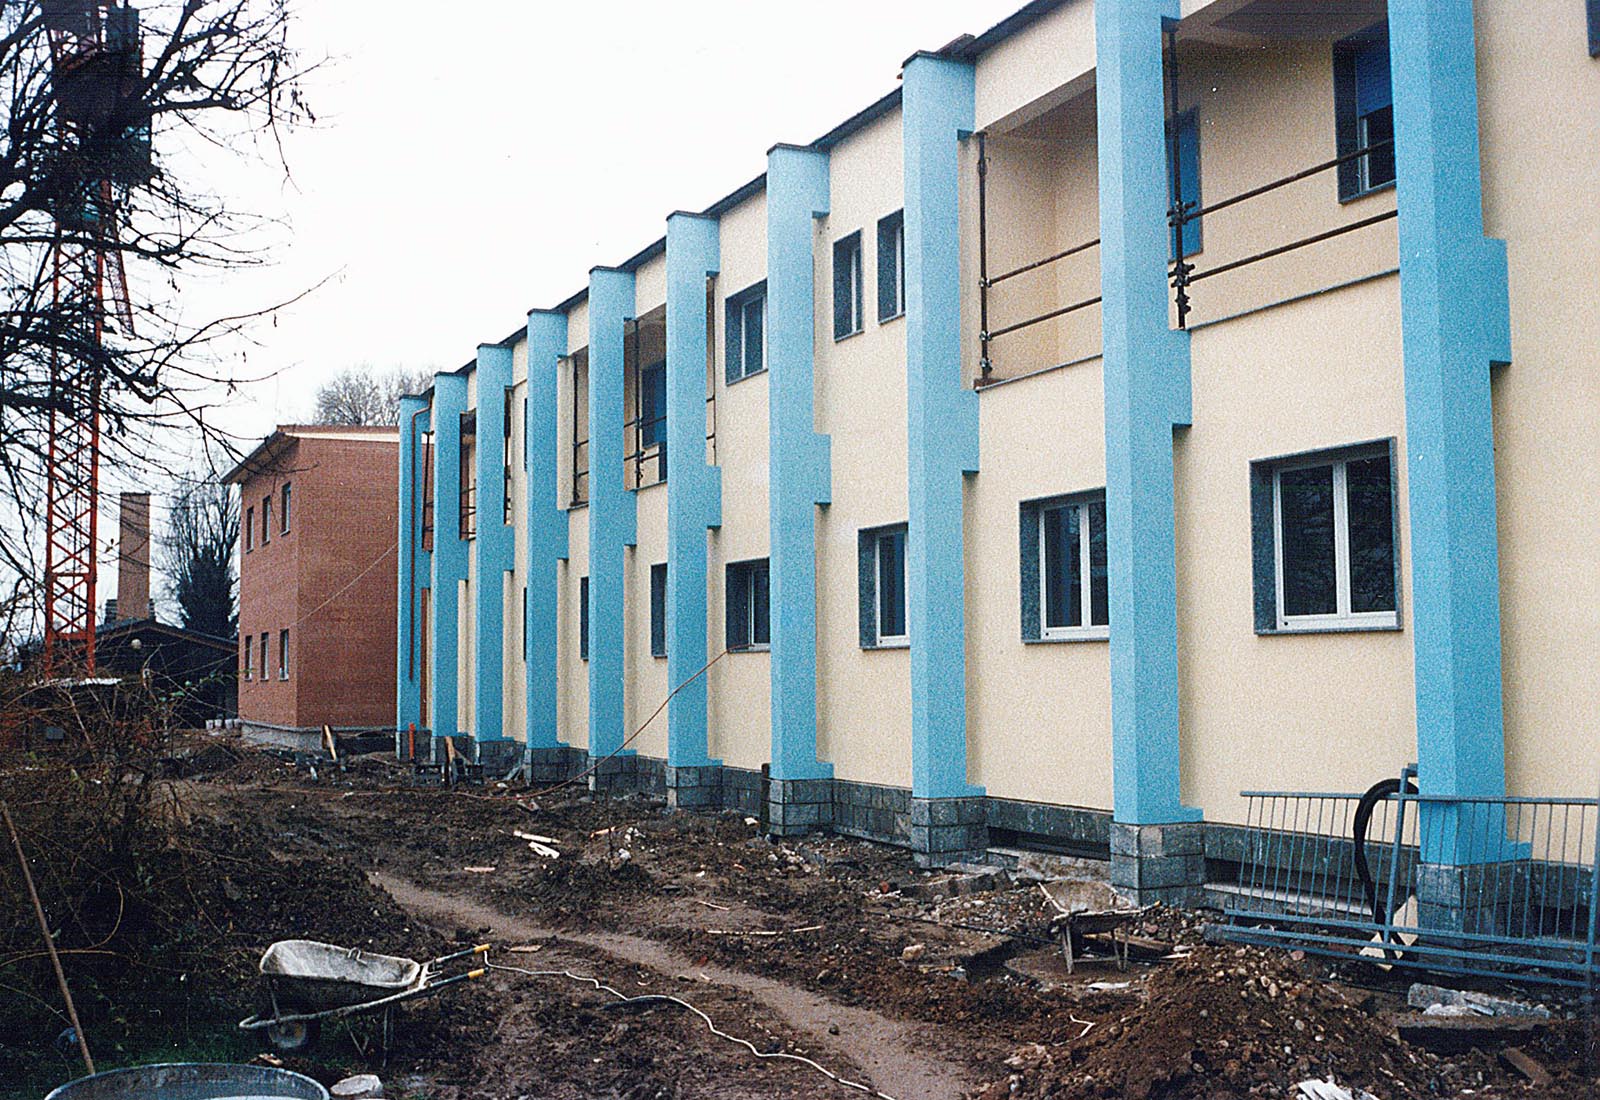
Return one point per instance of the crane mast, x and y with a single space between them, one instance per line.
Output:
102 141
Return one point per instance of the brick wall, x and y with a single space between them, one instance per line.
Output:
330 580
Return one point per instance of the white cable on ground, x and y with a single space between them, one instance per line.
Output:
625 999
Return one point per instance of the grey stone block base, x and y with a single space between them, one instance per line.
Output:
550 765
463 743
497 757
1159 863
949 830
799 806
628 774
694 788
1475 899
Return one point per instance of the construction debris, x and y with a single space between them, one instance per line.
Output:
1525 1064
1430 997
1456 1034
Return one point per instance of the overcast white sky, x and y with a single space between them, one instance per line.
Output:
476 159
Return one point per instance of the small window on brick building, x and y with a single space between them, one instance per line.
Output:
283 654
263 654
249 528
284 509
248 671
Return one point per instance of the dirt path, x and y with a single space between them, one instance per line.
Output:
888 1051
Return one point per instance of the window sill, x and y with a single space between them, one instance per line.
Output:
1068 639
658 656
646 488
892 317
1357 196
1391 626
760 648
890 643
841 338
747 376
573 506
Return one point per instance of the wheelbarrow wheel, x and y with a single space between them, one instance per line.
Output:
294 1037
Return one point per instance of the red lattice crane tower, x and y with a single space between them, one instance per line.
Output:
96 66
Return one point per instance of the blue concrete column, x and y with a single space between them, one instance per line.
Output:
799 469
1455 323
413 567
937 112
547 522
612 515
495 546
694 489
449 550
1146 371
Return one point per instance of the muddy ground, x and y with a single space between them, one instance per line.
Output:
835 954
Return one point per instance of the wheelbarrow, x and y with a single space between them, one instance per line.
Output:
309 982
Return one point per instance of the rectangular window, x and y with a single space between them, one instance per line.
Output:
467 475
745 346
892 266
658 610
284 510
1064 595
1594 27
266 519
749 609
248 670
1329 524
847 286
882 580
653 404
263 654
1364 111
583 618
1188 181
283 654
250 528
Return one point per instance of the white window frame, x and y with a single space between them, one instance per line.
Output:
285 500
283 654
856 299
877 586
249 656
1087 630
1342 617
747 573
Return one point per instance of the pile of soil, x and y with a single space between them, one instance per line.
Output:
1242 1022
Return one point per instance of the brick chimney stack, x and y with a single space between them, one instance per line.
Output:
133 558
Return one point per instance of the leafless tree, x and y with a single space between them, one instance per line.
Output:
364 395
107 154
197 557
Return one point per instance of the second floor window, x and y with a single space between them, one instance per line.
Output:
250 528
745 350
283 519
266 520
847 286
892 266
653 405
1364 111
1187 179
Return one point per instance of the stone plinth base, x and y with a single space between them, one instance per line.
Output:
799 806
1159 863
949 830
694 788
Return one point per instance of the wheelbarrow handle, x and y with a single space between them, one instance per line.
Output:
481 949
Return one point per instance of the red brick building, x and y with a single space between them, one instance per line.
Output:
317 578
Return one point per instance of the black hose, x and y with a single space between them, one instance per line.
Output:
1358 831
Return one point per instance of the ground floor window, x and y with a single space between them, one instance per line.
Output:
749 608
1064 589
583 618
1325 539
658 610
882 580
283 654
